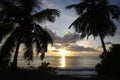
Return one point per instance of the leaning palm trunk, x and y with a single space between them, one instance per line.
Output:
14 63
103 44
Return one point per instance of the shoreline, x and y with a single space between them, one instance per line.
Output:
34 74
75 72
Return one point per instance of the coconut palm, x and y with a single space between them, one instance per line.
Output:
18 23
95 18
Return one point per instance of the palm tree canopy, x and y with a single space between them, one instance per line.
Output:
95 15
18 23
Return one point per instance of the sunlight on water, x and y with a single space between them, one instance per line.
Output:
68 65
63 62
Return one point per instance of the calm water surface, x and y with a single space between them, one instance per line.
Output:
64 61
68 65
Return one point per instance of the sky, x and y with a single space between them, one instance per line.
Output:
66 41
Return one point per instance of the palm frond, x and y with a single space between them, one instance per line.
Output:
71 6
114 10
27 40
48 14
75 23
80 23
112 29
116 16
103 2
38 46
28 5
42 56
80 8
28 55
10 10
5 29
8 46
42 39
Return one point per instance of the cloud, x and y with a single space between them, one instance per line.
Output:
99 46
81 48
107 43
67 41
69 37
55 50
72 47
118 31
43 1
57 46
51 6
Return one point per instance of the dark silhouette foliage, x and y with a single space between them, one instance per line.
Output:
95 18
18 25
44 68
110 65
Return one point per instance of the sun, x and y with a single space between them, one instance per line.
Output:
63 51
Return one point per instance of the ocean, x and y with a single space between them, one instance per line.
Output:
67 65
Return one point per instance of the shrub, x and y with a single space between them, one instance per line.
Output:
110 64
46 69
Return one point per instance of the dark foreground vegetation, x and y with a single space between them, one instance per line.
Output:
23 74
44 72
110 64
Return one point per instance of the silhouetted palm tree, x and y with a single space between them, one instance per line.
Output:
95 18
18 22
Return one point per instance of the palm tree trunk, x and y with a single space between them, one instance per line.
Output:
14 63
103 44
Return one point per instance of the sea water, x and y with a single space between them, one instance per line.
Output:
67 65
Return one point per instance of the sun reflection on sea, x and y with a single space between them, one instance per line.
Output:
63 62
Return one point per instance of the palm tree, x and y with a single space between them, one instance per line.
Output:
18 23
95 18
